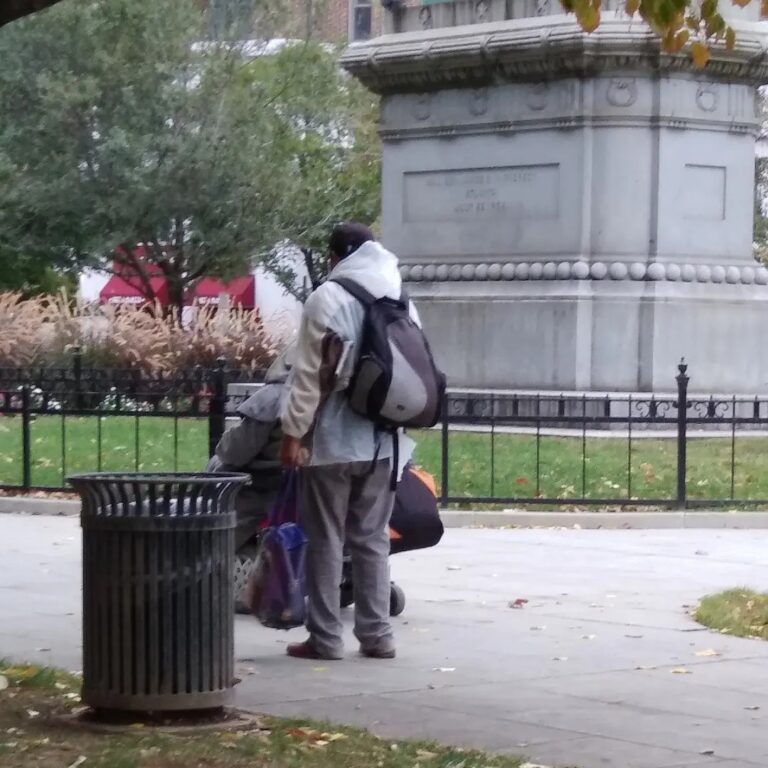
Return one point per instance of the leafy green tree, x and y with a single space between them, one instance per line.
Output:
122 124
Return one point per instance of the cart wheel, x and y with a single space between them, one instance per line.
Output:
396 600
244 562
347 595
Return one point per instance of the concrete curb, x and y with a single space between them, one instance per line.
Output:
608 520
25 505
30 505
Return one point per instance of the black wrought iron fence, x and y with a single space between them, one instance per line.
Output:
579 449
512 448
54 421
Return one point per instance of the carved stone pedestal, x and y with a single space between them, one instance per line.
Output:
572 211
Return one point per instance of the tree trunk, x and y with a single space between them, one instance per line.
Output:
176 290
10 10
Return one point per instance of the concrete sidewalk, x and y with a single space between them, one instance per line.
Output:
601 668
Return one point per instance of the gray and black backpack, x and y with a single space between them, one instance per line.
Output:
395 382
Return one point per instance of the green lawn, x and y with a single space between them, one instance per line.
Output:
34 734
650 469
63 446
741 612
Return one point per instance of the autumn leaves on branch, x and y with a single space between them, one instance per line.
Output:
681 24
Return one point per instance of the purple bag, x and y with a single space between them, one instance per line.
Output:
275 592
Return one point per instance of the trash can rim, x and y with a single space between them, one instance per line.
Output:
190 478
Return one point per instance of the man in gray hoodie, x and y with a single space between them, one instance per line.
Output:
347 477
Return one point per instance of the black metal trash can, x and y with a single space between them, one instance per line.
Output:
158 612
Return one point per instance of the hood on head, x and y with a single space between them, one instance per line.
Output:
373 267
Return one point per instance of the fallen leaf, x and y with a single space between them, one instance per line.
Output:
644 669
424 755
707 752
444 669
702 553
537 629
681 671
710 652
335 736
319 669
634 637
753 708
43 650
33 713
560 658
454 567
80 760
520 602
588 637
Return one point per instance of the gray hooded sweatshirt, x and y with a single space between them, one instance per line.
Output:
253 445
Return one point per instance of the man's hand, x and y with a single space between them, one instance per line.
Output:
290 451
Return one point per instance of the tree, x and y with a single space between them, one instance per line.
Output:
696 24
10 10
120 127
329 137
760 234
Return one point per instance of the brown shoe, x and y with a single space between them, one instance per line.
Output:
378 653
308 651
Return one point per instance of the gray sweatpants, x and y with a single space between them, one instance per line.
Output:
348 502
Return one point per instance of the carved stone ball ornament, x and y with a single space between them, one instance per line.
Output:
581 270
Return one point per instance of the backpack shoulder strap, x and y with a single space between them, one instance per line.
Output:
356 290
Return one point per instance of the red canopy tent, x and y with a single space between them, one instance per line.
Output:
129 290
125 287
241 291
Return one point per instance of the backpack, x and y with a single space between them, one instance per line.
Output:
395 382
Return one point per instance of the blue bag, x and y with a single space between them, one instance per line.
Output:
275 593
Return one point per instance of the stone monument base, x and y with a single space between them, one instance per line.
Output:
572 211
601 335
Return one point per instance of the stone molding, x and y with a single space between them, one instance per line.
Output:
624 101
564 123
581 270
539 49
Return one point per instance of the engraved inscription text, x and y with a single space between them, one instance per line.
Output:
483 194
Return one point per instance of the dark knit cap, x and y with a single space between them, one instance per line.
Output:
347 237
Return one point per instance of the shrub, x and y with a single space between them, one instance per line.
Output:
43 331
